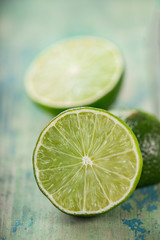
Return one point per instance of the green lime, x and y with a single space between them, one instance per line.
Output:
87 161
76 72
146 128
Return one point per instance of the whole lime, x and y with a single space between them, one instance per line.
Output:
146 127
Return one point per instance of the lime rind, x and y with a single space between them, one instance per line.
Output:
134 181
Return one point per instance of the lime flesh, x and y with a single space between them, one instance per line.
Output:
87 161
75 72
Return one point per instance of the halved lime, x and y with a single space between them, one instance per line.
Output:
87 161
76 72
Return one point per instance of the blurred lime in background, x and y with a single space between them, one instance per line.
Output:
76 72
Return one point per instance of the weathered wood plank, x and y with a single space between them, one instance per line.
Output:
26 27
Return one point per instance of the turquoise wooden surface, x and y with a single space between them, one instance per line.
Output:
26 27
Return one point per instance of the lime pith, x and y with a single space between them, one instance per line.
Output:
76 72
87 161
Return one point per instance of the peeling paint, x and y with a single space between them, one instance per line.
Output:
135 225
151 208
14 229
127 207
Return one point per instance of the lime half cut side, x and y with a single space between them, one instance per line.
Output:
87 161
75 72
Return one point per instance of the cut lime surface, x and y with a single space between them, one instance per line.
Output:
87 161
146 128
75 72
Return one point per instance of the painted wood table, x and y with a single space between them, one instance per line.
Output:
26 27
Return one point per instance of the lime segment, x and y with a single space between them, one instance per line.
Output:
87 161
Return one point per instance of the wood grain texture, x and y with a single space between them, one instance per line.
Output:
26 27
